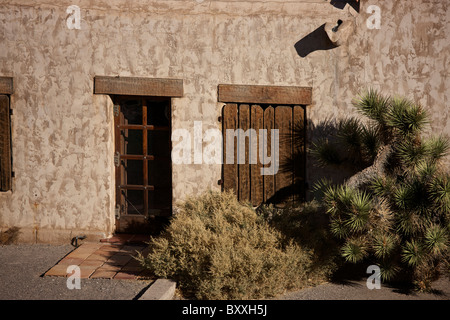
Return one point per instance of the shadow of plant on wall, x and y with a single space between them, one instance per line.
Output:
309 133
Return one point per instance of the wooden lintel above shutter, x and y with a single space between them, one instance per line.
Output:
6 85
138 86
280 95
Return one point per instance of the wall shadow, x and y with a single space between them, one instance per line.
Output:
340 4
300 162
295 165
316 40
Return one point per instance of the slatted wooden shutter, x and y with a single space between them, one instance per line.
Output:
5 144
245 179
256 179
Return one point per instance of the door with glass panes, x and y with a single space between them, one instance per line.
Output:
142 160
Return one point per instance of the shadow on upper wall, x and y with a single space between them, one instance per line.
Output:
316 40
340 4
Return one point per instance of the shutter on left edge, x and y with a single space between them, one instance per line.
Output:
5 144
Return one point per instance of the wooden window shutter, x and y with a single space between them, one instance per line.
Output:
245 179
5 144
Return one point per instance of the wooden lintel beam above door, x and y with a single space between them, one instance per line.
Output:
138 86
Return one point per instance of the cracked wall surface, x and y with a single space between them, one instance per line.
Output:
62 135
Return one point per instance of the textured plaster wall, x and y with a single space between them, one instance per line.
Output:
62 133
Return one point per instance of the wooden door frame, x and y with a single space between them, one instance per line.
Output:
137 86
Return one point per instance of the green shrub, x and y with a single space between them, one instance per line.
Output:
217 248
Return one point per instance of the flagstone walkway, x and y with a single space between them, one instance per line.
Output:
111 258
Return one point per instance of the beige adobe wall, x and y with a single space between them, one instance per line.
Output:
62 137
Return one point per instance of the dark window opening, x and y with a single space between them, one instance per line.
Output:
5 145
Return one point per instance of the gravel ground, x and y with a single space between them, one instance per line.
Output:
22 267
357 290
350 283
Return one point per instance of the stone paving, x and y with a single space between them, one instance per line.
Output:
111 258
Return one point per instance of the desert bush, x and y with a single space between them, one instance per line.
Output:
218 248
306 224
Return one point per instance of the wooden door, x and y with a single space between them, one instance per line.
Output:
142 160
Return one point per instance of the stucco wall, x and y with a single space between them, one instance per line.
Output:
62 133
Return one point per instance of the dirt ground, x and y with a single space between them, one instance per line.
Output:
22 267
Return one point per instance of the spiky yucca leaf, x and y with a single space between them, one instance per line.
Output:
384 244
388 270
330 198
321 187
437 147
440 193
407 223
382 186
354 250
373 105
339 228
402 196
412 195
410 152
425 170
339 198
412 253
407 117
436 239
345 195
360 210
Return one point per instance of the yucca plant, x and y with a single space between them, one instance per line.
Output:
396 209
